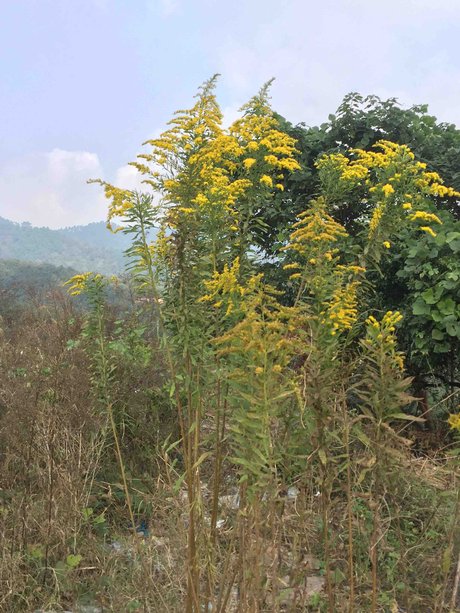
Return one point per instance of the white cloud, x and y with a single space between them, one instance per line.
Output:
319 53
51 189
128 177
231 114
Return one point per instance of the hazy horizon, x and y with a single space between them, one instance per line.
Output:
68 227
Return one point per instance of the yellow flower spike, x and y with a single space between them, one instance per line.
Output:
78 283
277 368
259 370
424 216
386 244
407 206
376 219
428 230
342 310
266 180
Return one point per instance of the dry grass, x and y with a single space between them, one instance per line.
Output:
55 466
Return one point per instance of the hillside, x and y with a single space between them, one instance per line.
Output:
82 248
28 275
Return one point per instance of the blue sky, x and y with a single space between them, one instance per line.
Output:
85 82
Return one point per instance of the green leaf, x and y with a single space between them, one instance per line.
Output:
405 417
178 483
322 456
365 440
453 328
99 519
37 552
432 295
447 306
420 307
436 316
73 560
453 240
446 560
87 512
437 335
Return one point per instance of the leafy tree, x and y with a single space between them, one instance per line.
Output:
421 268
360 122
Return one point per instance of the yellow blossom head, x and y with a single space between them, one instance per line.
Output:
454 421
388 190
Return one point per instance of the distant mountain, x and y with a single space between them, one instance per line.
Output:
82 248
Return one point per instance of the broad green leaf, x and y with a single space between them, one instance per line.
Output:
420 307
437 335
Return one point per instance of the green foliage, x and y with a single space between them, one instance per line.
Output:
360 122
420 271
431 272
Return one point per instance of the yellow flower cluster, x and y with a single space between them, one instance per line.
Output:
382 333
79 283
314 232
454 421
428 230
266 180
261 331
388 189
121 202
206 174
437 189
346 170
376 218
342 311
257 133
424 217
224 288
249 163
388 172
203 165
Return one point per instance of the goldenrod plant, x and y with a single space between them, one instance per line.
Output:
272 388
